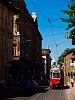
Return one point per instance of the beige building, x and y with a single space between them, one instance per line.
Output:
16 38
69 66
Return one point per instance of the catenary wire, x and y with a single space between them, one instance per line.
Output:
48 19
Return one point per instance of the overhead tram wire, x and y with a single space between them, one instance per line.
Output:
41 12
38 9
53 36
51 26
48 19
58 44
44 25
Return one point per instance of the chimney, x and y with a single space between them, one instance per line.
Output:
34 16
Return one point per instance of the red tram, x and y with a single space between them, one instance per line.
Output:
56 77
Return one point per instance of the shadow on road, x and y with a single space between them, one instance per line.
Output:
11 94
43 89
4 95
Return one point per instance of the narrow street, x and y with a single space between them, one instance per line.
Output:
46 93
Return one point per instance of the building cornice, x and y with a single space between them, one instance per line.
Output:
8 4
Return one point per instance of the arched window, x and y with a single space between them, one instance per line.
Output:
74 73
68 74
71 74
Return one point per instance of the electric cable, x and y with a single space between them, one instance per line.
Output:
48 19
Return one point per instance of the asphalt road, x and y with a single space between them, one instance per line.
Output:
46 93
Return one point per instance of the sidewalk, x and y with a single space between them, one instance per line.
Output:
71 93
9 93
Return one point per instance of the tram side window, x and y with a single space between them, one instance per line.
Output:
54 75
58 75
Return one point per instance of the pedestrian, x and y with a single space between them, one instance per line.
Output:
72 82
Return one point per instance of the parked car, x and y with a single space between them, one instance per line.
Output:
29 86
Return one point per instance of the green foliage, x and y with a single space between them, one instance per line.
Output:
61 57
70 20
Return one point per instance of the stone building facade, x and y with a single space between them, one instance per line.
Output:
7 10
69 66
30 58
20 42
47 64
16 39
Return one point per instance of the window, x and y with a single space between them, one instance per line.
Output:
56 75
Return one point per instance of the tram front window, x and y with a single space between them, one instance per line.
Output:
56 75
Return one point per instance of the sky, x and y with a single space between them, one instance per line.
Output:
50 26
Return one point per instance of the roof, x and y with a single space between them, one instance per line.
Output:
73 56
44 51
10 6
70 51
55 68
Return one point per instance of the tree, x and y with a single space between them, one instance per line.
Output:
61 57
70 20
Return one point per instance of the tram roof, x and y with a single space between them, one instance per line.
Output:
55 68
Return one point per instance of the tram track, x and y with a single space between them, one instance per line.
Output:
60 95
40 96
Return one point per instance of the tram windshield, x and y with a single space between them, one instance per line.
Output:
55 75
